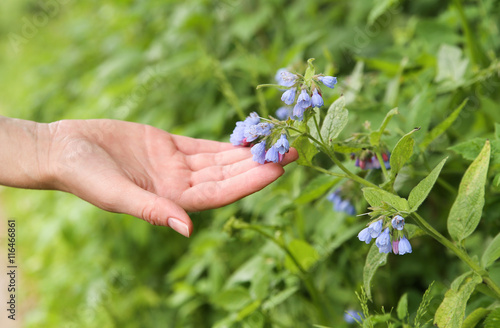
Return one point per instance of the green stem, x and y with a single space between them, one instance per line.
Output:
458 252
337 162
477 57
322 170
317 129
382 164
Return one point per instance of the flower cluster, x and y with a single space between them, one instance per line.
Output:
340 204
304 94
392 231
367 160
252 131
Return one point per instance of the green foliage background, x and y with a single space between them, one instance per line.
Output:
191 67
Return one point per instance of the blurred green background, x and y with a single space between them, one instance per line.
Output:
191 68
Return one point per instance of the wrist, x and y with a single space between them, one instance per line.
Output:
23 154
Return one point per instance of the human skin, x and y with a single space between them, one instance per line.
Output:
131 168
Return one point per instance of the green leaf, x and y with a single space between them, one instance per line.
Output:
378 197
424 305
451 312
497 131
375 135
492 252
496 180
473 319
317 188
441 127
421 191
305 149
471 148
374 260
379 9
279 298
465 213
335 120
402 308
451 67
493 319
355 82
304 253
402 153
232 299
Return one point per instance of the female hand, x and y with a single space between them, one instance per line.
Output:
146 172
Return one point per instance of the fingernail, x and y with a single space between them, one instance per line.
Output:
178 226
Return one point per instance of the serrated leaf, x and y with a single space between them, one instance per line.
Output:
493 319
441 127
305 149
378 197
402 153
421 191
402 308
335 120
451 312
374 260
492 252
473 319
465 213
304 253
317 188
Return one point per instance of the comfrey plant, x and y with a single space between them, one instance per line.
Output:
310 129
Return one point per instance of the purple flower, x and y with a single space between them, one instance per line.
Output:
298 112
317 100
352 316
383 242
283 113
252 132
304 100
404 246
398 222
328 81
282 144
395 246
288 97
259 152
272 155
365 235
341 205
252 119
237 138
375 228
285 78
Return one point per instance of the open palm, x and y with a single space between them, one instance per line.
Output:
151 174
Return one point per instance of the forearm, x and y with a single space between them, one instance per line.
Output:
24 148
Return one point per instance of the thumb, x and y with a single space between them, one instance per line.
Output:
156 210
